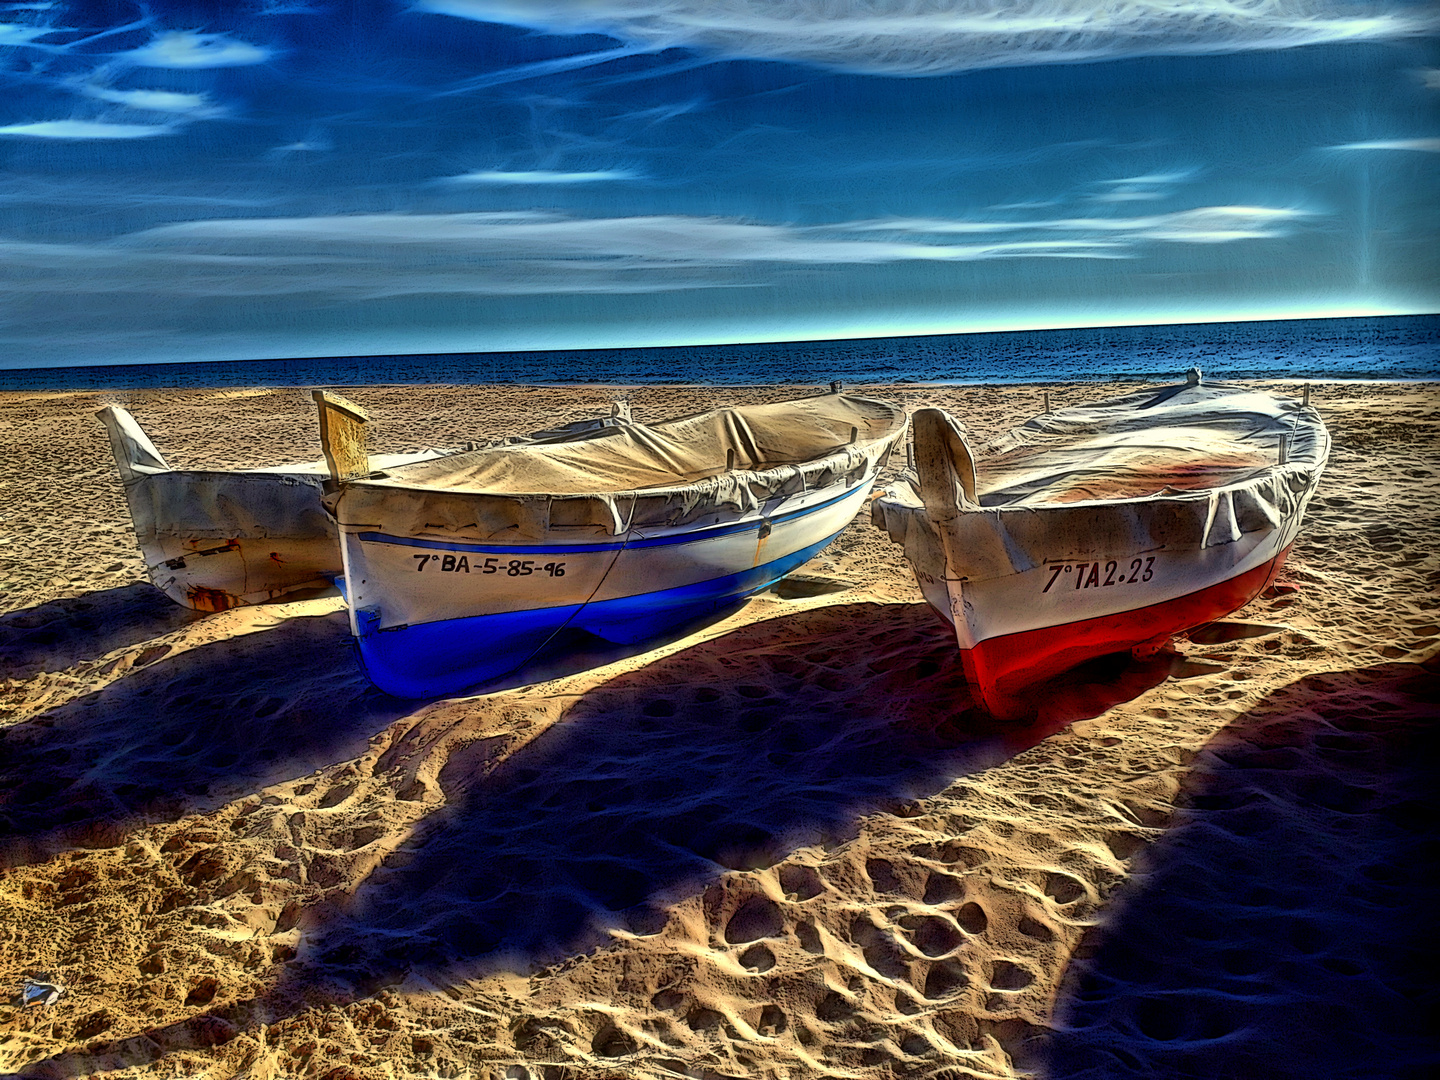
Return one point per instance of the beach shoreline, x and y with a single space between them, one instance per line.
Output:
780 846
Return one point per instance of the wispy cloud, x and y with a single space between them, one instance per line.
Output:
936 37
194 106
1202 225
185 49
13 34
1147 187
86 129
542 177
1427 145
653 241
365 256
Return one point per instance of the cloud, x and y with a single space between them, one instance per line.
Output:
542 176
1150 179
187 49
86 129
938 37
12 34
1428 145
371 256
166 101
1202 225
1146 188
653 242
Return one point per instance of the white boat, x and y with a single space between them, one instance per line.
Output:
1101 528
215 539
463 569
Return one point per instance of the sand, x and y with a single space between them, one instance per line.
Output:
782 846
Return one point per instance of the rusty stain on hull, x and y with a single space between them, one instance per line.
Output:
764 534
211 600
229 545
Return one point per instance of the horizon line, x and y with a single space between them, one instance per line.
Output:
878 334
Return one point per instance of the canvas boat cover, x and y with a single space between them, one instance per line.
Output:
1188 466
631 474
218 504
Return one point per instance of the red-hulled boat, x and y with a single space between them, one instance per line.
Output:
1101 528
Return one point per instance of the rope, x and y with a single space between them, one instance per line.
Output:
629 521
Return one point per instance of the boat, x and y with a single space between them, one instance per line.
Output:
1101 528
215 539
464 569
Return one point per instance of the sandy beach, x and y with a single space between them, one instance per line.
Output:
783 846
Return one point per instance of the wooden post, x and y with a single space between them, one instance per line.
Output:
729 459
342 436
910 454
1284 449
1047 401
854 434
1306 402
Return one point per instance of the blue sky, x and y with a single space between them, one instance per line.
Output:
287 178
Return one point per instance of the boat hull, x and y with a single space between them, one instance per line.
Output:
1059 564
1002 669
435 617
211 575
216 540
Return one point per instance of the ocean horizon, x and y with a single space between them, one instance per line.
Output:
1400 348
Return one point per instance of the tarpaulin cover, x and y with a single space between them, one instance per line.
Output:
1188 466
631 473
217 504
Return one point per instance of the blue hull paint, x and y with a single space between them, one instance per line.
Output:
433 659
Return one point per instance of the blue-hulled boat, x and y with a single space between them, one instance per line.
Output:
463 569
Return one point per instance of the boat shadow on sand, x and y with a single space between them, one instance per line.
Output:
62 633
729 754
187 732
1281 926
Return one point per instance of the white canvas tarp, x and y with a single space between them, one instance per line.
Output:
1182 467
631 473
210 504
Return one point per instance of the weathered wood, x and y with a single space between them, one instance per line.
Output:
342 436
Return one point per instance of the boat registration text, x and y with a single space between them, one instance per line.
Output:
461 564
1091 575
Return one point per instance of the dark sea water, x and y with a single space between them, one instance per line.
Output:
1400 347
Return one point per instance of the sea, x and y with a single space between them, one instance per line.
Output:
1366 348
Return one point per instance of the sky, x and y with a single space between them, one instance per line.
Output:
287 178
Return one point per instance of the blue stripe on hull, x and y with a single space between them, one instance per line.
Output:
432 659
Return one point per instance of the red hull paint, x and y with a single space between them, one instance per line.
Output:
1000 669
